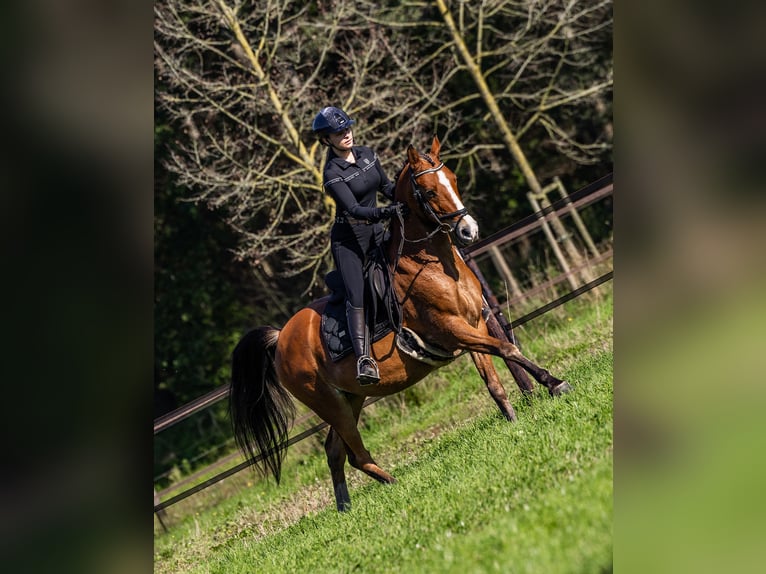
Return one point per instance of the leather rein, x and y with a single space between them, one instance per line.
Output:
440 220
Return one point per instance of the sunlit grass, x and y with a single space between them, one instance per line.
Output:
474 493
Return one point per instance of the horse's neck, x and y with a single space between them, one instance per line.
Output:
436 250
438 247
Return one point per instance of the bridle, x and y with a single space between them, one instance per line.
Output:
440 220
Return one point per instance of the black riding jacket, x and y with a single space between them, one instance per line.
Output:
354 187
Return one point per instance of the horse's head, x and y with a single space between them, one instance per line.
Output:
434 198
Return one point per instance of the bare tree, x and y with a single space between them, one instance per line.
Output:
245 78
227 74
534 65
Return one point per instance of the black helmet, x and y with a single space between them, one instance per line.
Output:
331 120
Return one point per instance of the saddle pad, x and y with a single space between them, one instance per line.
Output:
335 330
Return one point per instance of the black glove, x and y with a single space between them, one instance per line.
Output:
391 210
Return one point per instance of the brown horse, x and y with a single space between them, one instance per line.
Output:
441 301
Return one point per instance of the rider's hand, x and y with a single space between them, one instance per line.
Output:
392 210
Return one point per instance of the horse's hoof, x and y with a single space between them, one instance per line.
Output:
560 389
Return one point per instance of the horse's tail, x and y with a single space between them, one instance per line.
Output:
261 409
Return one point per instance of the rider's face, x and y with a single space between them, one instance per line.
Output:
342 140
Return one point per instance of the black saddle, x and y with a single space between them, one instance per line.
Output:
382 312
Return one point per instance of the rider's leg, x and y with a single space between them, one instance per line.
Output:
367 372
348 259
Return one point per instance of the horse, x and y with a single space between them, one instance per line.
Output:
440 300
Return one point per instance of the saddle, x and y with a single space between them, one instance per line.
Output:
382 310
382 315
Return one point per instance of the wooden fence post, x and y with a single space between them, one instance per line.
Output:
563 237
576 218
552 241
505 271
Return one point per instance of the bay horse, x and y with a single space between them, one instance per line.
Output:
441 301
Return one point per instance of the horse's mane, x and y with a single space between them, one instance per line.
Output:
399 173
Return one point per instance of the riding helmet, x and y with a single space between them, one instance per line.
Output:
331 120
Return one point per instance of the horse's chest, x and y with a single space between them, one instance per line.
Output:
455 296
468 299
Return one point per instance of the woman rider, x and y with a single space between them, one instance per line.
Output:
353 176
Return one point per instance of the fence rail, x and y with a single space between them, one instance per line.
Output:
189 409
581 198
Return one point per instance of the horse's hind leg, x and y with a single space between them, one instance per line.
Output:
358 456
341 411
336 451
494 386
336 460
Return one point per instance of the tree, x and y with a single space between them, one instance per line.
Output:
245 79
537 67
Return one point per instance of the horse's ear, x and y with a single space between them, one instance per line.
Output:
413 156
435 147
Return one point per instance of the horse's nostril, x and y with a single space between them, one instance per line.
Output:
465 236
467 231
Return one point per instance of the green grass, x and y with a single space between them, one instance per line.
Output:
474 493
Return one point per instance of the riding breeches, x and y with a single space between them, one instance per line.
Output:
349 260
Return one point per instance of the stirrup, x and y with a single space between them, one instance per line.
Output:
366 362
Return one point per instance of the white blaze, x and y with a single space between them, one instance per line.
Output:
445 182
467 229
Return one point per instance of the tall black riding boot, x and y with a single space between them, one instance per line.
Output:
366 368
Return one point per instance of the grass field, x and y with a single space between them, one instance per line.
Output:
474 493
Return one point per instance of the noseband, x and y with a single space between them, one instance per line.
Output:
418 192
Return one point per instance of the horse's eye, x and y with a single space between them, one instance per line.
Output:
430 194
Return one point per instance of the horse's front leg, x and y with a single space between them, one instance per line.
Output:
519 375
477 340
494 386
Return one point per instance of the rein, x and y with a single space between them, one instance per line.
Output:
441 226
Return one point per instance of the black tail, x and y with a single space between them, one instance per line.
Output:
261 409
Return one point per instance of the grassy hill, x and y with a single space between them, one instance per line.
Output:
474 493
